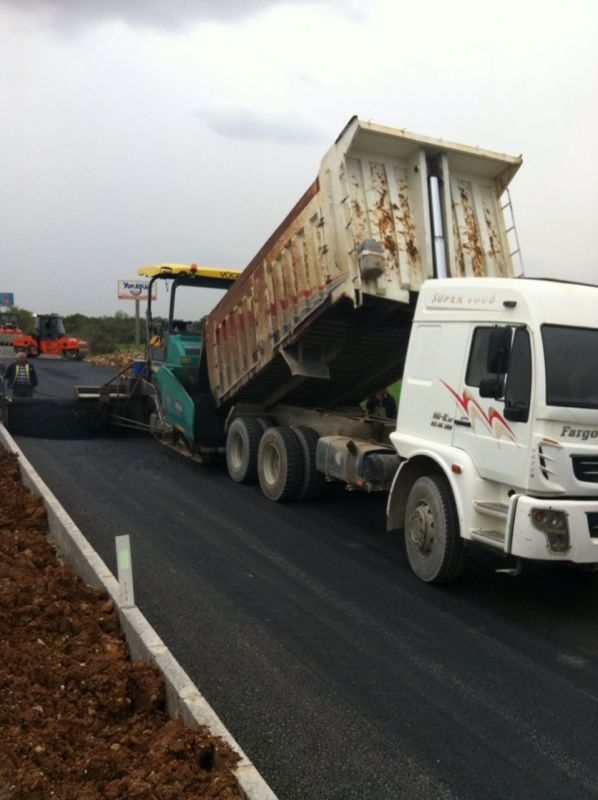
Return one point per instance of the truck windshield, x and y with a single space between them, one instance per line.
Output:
571 360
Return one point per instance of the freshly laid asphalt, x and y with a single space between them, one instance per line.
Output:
337 671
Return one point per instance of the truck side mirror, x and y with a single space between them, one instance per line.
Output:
499 350
492 387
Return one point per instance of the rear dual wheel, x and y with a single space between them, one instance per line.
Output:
282 459
280 464
242 442
313 481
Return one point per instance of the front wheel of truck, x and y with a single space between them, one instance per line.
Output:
432 540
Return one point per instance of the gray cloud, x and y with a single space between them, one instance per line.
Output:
253 124
125 148
161 14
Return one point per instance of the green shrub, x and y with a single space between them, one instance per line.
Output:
101 342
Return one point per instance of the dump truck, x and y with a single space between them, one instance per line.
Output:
321 316
400 261
49 337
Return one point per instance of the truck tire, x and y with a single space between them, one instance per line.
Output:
72 355
280 464
432 540
313 481
242 442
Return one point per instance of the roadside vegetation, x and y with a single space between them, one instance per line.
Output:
105 334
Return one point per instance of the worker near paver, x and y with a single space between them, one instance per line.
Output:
382 404
21 377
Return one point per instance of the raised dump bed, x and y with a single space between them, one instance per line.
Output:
321 315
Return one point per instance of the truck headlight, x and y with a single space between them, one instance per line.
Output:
554 526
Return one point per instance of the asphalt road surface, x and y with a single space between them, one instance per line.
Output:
340 674
59 376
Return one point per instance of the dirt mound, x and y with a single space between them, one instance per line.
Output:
117 361
79 721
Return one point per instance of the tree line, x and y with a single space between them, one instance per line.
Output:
105 334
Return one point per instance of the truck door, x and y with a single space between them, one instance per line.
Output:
493 407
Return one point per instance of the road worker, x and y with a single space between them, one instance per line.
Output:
21 377
382 404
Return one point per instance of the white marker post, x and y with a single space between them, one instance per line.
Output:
125 570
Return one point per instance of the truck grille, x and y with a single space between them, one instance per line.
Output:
593 524
585 468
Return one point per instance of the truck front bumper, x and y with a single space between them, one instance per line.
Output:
555 530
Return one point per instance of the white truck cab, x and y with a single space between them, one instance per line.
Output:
498 424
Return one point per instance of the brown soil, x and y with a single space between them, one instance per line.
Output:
117 360
78 720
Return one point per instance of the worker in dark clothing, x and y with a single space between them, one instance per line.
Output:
382 404
21 377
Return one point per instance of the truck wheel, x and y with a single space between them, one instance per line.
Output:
432 539
313 481
280 464
73 355
242 442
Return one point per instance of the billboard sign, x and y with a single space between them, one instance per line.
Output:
7 301
135 289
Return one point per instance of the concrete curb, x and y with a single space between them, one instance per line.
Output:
183 698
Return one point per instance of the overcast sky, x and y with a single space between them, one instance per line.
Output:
142 131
